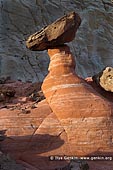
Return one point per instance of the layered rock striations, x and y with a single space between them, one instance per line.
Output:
29 131
85 115
19 19
32 137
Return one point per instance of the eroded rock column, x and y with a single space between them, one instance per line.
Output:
85 115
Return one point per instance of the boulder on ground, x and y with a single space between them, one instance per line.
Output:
105 79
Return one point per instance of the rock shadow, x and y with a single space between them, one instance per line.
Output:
34 150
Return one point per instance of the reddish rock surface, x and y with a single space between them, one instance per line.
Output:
85 115
31 137
23 93
29 131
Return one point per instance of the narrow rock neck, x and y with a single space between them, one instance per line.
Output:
61 61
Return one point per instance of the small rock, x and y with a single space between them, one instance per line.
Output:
33 106
6 94
75 165
24 111
7 163
37 96
105 79
2 97
4 80
2 135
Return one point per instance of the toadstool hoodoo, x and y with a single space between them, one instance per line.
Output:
85 115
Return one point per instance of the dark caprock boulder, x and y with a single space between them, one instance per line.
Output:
59 32
105 79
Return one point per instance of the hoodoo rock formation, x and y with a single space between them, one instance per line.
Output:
85 115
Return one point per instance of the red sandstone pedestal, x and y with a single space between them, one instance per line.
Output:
84 114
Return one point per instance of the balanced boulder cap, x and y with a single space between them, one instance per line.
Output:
59 32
